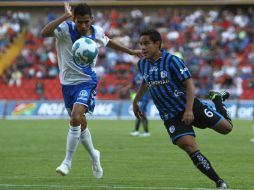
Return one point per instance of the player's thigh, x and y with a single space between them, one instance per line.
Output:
187 143
79 109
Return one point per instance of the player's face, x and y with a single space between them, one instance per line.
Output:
148 47
83 24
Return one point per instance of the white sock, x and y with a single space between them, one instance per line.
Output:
86 140
72 143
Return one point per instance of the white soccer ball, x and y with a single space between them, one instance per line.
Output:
84 51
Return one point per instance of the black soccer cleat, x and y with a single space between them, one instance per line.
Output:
223 94
221 184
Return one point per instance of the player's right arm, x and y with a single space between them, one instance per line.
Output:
48 30
141 91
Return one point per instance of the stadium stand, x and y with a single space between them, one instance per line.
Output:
216 43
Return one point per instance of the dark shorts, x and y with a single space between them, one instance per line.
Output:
204 116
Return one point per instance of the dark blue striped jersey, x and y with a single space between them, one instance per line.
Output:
164 79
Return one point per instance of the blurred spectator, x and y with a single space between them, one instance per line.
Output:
16 76
217 45
40 90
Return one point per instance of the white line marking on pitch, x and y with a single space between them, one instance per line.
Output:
100 187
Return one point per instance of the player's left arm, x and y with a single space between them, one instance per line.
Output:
188 115
119 47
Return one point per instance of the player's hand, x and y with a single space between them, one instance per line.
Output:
136 52
137 111
188 117
67 9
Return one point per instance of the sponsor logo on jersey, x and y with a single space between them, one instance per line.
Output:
183 70
153 69
178 93
82 95
157 82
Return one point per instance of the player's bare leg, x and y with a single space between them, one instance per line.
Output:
225 126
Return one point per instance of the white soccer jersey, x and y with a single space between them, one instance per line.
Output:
71 73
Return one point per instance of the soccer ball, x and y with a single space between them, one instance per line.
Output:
84 51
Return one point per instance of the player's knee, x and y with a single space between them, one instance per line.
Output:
83 124
224 128
227 129
188 147
76 119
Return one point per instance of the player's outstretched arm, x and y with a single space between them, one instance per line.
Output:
117 46
48 30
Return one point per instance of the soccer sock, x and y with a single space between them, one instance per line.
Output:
203 164
145 124
86 140
72 142
137 124
221 108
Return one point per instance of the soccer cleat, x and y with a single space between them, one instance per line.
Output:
223 94
63 169
134 133
96 166
146 134
221 184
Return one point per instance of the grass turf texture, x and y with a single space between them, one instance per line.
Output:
30 150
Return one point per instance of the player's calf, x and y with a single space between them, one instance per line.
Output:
218 98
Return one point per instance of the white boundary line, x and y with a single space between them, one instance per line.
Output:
99 187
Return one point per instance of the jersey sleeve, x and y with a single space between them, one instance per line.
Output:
179 69
61 31
101 38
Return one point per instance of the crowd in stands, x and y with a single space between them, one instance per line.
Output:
10 25
217 45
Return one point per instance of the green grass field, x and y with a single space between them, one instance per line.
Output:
30 150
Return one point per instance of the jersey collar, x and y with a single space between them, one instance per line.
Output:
92 31
160 58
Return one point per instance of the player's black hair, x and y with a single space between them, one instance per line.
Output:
153 35
82 9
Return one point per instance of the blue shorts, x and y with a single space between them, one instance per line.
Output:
83 93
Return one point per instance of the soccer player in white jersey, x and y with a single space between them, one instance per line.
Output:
78 83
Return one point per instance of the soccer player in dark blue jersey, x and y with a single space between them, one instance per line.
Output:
170 84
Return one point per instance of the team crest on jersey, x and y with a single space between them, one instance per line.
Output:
163 74
172 129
